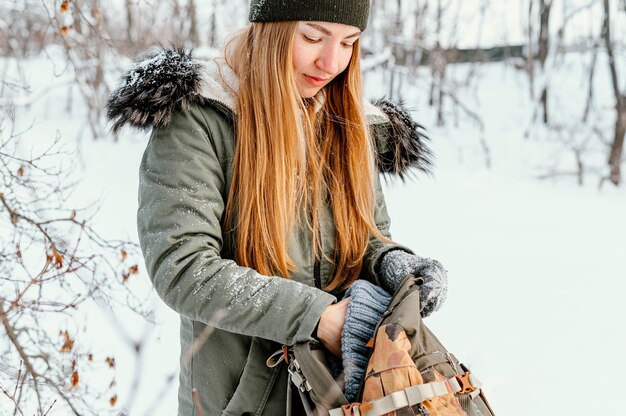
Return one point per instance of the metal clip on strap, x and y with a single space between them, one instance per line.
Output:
297 377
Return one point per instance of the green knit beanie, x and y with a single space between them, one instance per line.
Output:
348 12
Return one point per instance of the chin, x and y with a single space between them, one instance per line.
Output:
306 90
308 93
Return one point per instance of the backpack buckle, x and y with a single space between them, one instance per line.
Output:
464 381
352 409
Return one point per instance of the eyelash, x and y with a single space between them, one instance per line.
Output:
311 40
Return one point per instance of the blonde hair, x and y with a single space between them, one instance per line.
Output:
290 158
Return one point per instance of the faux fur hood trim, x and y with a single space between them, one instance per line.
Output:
168 80
407 145
159 84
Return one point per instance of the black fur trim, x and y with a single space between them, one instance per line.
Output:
159 84
405 145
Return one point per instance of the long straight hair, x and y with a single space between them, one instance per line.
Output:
291 158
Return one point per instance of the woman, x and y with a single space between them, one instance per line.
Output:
259 200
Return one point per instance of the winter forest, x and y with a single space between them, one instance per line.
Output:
524 102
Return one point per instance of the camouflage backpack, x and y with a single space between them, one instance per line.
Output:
409 373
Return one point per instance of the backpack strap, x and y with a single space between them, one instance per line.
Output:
436 358
395 401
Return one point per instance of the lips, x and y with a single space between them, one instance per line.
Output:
316 81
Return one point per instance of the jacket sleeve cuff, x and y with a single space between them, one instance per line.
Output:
312 315
377 258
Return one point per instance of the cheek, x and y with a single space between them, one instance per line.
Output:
301 56
345 60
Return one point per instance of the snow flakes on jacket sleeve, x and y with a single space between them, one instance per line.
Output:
181 204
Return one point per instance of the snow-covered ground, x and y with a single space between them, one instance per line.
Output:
536 269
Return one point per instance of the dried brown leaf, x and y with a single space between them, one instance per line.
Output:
68 342
74 378
131 271
110 361
58 258
113 400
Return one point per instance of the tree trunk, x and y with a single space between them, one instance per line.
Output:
177 36
193 23
543 49
544 31
544 104
617 147
129 21
592 71
212 25
399 17
530 58
438 66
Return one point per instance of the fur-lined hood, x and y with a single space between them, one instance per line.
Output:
168 80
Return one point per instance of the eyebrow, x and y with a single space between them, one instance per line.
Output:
328 32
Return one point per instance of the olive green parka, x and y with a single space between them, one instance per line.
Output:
232 318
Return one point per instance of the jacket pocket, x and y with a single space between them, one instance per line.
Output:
256 381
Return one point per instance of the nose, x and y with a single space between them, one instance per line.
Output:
328 59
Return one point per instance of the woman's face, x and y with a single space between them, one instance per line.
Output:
321 51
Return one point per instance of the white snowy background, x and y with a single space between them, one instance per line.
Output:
536 267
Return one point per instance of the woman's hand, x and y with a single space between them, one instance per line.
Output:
397 264
331 324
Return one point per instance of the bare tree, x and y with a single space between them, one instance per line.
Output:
194 36
213 24
539 11
52 261
545 6
617 145
130 20
85 40
438 68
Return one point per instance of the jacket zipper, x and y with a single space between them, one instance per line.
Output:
317 265
316 273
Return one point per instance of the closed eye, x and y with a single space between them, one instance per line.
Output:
310 40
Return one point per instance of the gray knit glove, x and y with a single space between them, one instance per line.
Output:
367 304
397 264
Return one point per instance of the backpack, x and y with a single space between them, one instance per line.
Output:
409 373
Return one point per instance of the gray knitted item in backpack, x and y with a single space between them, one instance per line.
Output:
367 304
